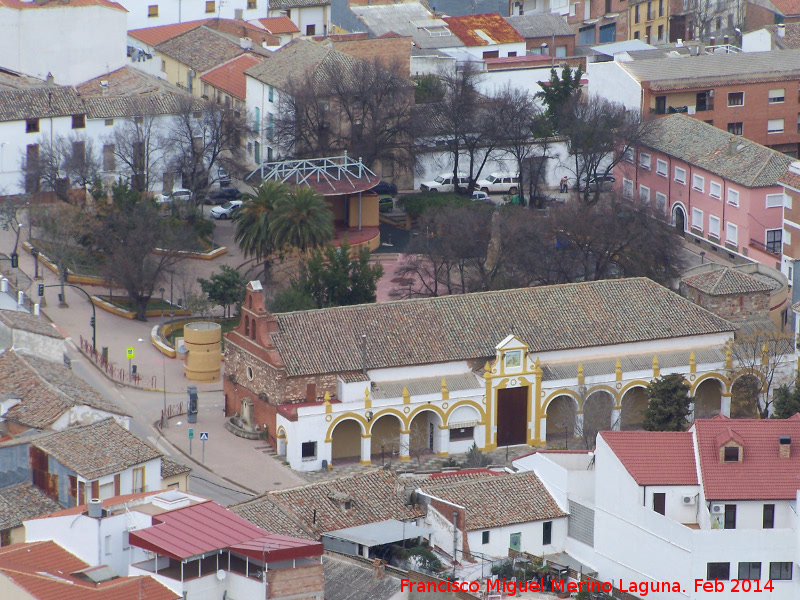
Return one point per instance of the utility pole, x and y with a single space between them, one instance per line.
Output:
455 541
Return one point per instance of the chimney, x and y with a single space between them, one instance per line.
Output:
781 30
246 43
785 444
725 39
712 41
50 79
238 14
732 147
96 508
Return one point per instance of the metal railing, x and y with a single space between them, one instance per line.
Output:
320 170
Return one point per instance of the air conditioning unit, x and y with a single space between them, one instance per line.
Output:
717 509
689 499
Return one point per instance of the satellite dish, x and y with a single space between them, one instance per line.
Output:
221 575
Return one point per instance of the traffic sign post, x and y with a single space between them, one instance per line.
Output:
191 437
204 439
131 354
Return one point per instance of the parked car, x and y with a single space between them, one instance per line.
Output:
384 188
605 182
179 195
501 182
225 211
444 183
478 196
222 194
223 178
385 205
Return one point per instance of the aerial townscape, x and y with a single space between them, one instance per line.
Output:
399 299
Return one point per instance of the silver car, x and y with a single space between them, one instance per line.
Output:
225 211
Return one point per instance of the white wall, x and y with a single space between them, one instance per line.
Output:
611 81
47 347
526 79
53 39
319 16
181 11
530 538
757 41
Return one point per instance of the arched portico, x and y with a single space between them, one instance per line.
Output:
598 410
560 421
744 396
708 399
633 404
346 440
388 436
424 434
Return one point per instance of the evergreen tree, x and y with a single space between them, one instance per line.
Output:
787 402
224 288
559 91
668 406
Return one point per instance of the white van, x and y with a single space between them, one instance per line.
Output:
502 182
444 183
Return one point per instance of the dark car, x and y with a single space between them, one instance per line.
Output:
384 188
222 195
605 182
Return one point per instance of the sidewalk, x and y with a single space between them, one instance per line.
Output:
242 462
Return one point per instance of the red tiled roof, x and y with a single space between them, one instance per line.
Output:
492 24
46 571
790 180
155 35
655 457
762 474
276 25
230 76
788 8
60 3
201 528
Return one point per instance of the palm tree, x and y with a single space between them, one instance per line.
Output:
252 220
301 220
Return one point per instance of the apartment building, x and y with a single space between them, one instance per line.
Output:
648 20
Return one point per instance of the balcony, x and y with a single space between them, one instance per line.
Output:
707 106
763 247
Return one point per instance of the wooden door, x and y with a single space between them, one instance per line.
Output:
512 416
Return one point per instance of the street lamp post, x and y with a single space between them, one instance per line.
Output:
164 420
35 254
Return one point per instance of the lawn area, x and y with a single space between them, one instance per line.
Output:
125 303
227 325
82 261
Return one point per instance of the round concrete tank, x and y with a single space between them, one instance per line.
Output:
203 342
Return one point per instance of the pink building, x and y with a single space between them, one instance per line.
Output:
712 185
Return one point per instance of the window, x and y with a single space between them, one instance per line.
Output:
462 433
311 30
32 126
270 126
644 194
485 537
730 516
721 571
661 167
731 453
109 122
607 33
107 545
660 503
586 35
257 123
627 188
660 32
680 175
750 570
713 229
714 189
776 96
163 66
660 9
768 520
491 54
109 160
780 571
736 99
733 197
775 126
774 244
719 23
126 543
138 480
308 450
649 11
732 237
774 200
636 14
152 10
644 160
697 219
627 155
211 6
512 54
271 94
735 128
251 4
78 121
547 533
661 202
561 51
698 183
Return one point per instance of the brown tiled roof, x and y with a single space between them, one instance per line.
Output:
469 326
705 146
240 29
11 80
39 103
46 571
499 501
491 24
762 474
21 502
540 25
230 76
279 25
171 468
98 449
61 3
376 495
201 49
46 390
16 319
723 281
293 60
788 8
790 39
655 457
155 35
790 180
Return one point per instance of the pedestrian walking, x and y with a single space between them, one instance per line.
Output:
564 186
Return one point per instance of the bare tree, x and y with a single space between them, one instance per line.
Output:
11 209
759 354
81 161
600 133
42 167
204 136
138 149
305 119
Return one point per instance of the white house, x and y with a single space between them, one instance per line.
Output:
154 13
486 36
49 38
715 502
20 329
311 17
